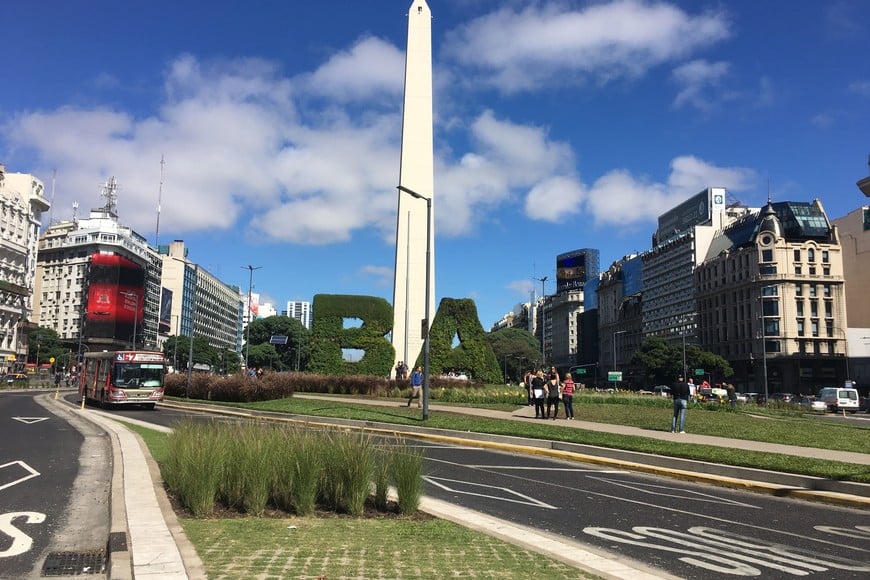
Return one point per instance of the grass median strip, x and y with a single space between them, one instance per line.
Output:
338 546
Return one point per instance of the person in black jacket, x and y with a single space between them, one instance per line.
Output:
539 392
680 392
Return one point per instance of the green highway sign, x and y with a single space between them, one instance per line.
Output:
699 372
614 376
580 371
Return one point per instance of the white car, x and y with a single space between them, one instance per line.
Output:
813 404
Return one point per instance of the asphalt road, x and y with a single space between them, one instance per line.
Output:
54 474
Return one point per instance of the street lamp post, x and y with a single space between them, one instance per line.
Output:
428 201
543 293
615 332
250 312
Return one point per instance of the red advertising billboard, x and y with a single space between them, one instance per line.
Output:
115 297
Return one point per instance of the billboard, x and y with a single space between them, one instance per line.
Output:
115 297
165 319
570 271
694 211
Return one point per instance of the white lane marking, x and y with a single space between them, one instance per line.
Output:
525 500
30 420
21 542
31 473
702 514
728 553
666 491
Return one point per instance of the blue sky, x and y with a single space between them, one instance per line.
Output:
559 125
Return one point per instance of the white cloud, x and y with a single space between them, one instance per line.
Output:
618 198
861 87
520 50
371 68
699 81
555 199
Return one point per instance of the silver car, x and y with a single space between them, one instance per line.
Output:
813 404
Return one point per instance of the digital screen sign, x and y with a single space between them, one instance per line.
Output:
115 297
570 271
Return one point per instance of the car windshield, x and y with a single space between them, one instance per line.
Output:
138 375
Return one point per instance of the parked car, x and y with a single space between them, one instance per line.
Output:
745 397
813 404
662 390
13 377
782 397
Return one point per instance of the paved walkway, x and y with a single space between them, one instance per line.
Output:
156 546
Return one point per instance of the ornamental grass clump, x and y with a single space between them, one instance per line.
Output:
408 474
194 467
249 467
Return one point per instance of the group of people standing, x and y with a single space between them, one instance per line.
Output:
547 389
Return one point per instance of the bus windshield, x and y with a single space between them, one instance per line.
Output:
138 375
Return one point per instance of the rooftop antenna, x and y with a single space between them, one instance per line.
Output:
159 199
110 192
75 210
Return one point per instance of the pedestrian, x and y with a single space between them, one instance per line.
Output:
527 382
416 387
405 370
732 395
568 396
680 393
553 387
539 393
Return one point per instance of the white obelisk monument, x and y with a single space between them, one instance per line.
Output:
417 174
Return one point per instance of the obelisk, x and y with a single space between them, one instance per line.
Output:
416 173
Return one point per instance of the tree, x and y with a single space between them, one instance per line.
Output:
515 348
662 361
44 344
294 354
177 350
264 356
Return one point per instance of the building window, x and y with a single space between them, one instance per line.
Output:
798 289
798 270
800 327
799 306
767 255
770 290
814 327
826 271
814 309
770 308
826 290
825 256
812 270
829 309
812 290
767 270
811 255
771 327
797 255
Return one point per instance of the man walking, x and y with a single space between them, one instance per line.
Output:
680 393
416 387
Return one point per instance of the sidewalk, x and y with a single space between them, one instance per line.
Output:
155 546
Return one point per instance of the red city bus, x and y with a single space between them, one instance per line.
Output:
123 377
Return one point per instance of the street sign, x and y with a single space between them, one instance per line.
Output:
277 339
699 372
580 371
614 376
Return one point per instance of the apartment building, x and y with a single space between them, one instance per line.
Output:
771 299
22 204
